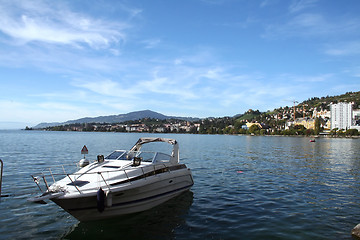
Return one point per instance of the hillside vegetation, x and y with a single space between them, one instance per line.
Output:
324 102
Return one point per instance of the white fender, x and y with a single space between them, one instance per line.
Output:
108 199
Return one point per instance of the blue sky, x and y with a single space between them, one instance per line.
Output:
63 60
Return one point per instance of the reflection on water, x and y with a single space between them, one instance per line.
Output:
244 188
157 223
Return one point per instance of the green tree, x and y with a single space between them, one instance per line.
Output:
300 129
317 126
242 131
309 132
334 131
202 129
211 130
352 132
341 132
254 129
88 127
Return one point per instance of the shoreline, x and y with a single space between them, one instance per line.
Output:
303 136
265 135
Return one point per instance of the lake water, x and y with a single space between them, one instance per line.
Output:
246 187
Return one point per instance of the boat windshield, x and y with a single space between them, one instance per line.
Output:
154 157
115 155
122 155
162 157
145 156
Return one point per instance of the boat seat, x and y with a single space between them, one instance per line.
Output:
136 161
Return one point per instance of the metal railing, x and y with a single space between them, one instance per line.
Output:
2 164
49 173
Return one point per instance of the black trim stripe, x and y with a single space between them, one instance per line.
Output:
109 166
135 201
152 173
152 197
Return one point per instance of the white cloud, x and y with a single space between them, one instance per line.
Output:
309 79
299 5
344 49
266 3
104 87
31 113
95 102
214 2
353 71
178 61
213 73
55 24
312 25
172 85
308 21
301 25
57 107
151 43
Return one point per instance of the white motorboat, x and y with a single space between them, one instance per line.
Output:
126 181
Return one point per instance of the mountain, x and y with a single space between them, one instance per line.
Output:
250 115
115 118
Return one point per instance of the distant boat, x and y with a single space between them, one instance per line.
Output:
312 140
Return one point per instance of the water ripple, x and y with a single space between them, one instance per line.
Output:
245 188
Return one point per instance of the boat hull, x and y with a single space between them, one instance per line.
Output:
130 198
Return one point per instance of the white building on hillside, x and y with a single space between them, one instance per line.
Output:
322 113
341 115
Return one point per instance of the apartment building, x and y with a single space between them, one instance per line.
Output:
341 115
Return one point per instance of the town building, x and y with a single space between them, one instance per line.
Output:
321 114
248 125
308 123
356 119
